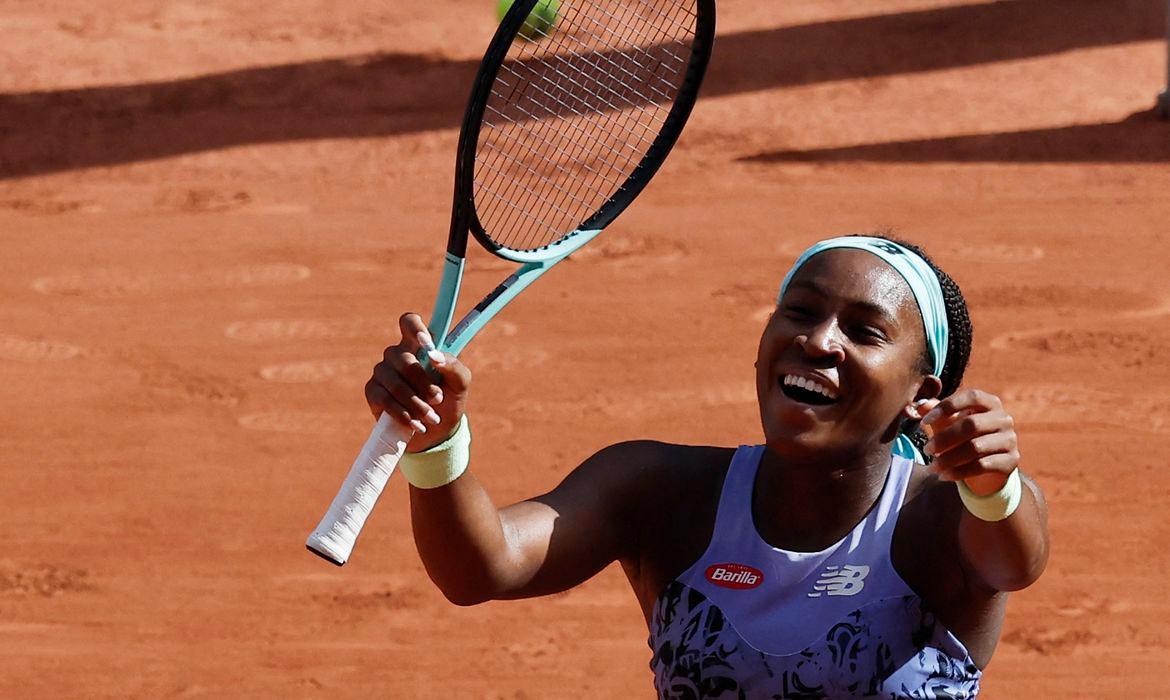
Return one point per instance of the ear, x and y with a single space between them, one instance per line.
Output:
929 388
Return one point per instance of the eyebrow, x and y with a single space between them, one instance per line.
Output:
867 306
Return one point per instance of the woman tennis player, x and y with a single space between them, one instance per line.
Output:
834 560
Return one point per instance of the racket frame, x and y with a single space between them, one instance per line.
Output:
535 263
333 539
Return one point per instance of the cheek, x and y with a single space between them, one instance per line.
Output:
769 341
899 377
883 374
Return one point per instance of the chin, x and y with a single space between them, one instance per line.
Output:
795 435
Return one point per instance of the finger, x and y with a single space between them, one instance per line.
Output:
404 394
940 424
971 400
966 427
411 325
415 374
972 450
915 413
381 401
1002 463
922 407
431 356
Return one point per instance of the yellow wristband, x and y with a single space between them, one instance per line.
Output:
441 464
994 506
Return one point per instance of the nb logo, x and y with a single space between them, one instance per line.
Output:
889 248
840 580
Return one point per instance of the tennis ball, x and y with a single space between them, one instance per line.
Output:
540 20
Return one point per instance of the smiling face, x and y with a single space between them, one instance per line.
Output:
841 358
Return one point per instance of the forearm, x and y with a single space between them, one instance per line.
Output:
461 540
1009 554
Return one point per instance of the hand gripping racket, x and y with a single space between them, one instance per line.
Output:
565 127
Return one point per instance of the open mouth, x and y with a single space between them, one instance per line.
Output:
807 391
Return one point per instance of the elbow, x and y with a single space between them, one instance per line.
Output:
465 591
1010 584
1028 577
1018 575
461 594
464 597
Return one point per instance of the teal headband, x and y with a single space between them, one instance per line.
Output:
918 274
924 285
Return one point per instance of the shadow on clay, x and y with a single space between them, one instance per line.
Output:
1140 138
388 94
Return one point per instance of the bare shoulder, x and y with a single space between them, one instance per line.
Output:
655 456
648 471
926 554
927 523
674 490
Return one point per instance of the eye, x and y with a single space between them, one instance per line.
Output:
869 334
796 312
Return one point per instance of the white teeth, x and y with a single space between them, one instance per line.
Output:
809 385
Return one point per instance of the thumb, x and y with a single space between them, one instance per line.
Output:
923 406
455 375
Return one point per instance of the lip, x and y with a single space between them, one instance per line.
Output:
790 404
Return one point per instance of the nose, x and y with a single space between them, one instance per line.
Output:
822 341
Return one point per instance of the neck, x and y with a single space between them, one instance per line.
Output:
808 504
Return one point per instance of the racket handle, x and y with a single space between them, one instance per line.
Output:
334 537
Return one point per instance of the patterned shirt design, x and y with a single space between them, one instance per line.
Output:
796 626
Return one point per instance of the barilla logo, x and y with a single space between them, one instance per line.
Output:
738 576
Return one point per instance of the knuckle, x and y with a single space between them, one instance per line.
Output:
383 372
969 426
402 393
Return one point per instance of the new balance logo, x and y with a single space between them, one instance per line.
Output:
840 580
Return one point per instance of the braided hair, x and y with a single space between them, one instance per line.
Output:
959 340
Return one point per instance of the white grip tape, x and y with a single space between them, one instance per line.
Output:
334 537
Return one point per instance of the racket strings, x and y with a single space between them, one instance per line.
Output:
577 154
582 133
605 104
572 115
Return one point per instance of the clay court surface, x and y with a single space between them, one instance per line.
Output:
212 214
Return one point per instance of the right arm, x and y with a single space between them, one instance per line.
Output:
471 549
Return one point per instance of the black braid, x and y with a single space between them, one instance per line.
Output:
961 335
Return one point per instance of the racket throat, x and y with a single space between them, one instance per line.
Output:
534 264
444 311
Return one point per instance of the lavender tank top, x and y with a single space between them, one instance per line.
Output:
748 620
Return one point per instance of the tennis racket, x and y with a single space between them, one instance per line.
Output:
565 126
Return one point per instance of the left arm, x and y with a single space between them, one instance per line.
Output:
973 440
